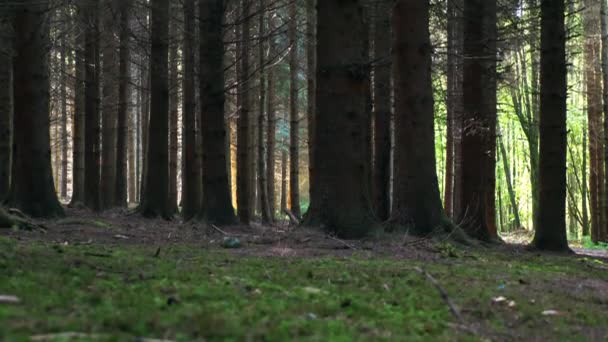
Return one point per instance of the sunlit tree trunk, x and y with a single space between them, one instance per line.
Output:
510 189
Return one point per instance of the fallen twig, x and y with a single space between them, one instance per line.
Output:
65 336
9 299
444 295
346 244
219 230
98 255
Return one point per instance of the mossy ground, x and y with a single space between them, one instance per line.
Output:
185 292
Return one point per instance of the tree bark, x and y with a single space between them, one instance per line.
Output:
123 151
263 186
78 124
63 50
109 105
311 65
155 201
192 184
272 124
510 190
145 125
382 110
584 187
32 189
479 134
217 206
341 199
417 204
6 104
551 233
92 144
453 176
244 186
173 106
294 120
604 53
592 31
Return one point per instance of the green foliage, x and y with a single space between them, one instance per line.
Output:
587 243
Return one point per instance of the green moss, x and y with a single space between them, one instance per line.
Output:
189 293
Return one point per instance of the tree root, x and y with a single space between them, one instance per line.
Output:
13 218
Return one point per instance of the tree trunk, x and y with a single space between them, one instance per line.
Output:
156 193
217 205
311 65
479 134
92 144
341 201
6 105
244 186
79 117
263 186
173 107
63 50
109 105
591 26
382 110
32 190
123 150
284 181
294 120
453 176
604 25
417 204
272 124
551 233
510 190
584 187
145 126
191 196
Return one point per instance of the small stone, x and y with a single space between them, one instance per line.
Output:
231 242
311 316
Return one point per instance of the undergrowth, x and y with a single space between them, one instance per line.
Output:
186 293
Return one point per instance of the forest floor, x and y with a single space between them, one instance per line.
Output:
117 276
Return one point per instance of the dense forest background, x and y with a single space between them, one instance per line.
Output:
114 133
